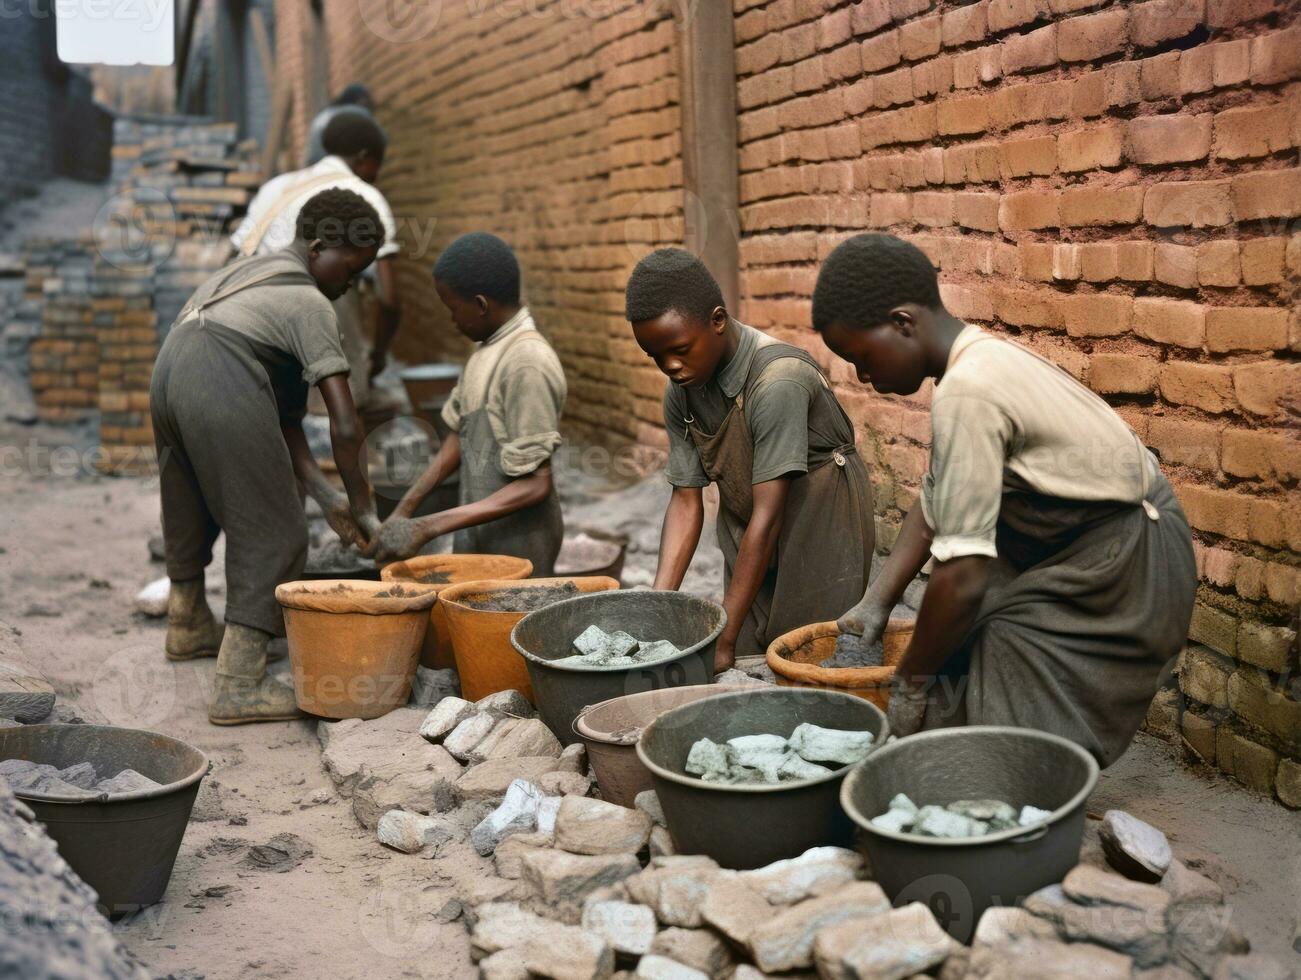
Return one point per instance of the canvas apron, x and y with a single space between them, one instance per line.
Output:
535 532
823 555
1087 604
217 398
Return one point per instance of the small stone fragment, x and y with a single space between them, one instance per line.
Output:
152 599
1031 815
901 801
676 889
816 744
794 769
657 650
569 953
663 968
442 721
661 843
81 775
699 949
1042 959
518 813
516 737
1134 848
1186 887
735 909
506 704
935 821
1004 924
411 832
785 942
127 781
994 812
597 644
560 881
509 855
489 780
628 927
588 826
508 964
469 733
895 821
890 946
564 784
1090 885
814 872
648 802
708 759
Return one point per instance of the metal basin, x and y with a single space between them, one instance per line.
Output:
959 879
123 846
750 826
561 693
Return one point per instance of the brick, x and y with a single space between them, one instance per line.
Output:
1250 763
1198 735
1066 267
1136 261
1026 52
868 16
1246 328
933 209
1094 36
971 68
1253 131
920 39
1005 14
1267 194
890 209
1157 21
1270 647
1089 206
1204 676
1188 204
881 52
1185 443
1276 57
1266 387
834 29
1262 261
934 77
894 88
1266 705
1028 157
959 116
1262 454
1218 264
1224 513
1028 211
1090 149
1230 63
1175 265
1124 83
965 25
1097 314
1170 321
1035 261
1122 374
1228 13
1175 138
1158 77
1287 783
903 9
1027 308
1209 387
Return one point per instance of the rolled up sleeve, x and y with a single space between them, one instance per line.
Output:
963 490
684 468
529 412
452 410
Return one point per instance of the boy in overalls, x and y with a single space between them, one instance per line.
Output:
759 419
1063 575
227 397
505 420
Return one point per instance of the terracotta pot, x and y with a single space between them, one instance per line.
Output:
794 658
481 643
440 571
353 645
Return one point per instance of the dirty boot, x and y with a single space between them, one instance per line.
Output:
242 692
192 630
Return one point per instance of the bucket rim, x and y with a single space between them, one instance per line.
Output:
1014 834
460 589
761 789
588 734
346 596
695 648
204 767
398 571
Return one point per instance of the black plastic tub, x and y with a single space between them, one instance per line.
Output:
960 879
124 847
561 693
751 826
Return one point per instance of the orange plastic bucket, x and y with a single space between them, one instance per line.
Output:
794 658
440 571
481 643
353 645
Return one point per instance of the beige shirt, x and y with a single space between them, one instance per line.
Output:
1005 420
517 377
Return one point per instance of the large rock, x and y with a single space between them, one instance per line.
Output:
489 780
572 955
677 889
443 719
1186 887
25 694
412 832
785 942
1134 848
504 925
1090 885
518 813
661 843
1137 932
562 784
506 704
509 855
546 948
1004 924
648 802
663 968
559 881
509 964
628 927
419 780
815 872
389 743
735 909
586 826
700 949
890 946
1042 959
465 737
515 737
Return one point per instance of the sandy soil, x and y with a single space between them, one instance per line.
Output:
74 554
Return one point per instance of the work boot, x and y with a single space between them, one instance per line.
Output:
242 691
192 630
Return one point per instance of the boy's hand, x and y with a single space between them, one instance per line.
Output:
369 524
396 539
907 707
339 516
864 619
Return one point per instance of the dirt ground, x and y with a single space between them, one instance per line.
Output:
72 556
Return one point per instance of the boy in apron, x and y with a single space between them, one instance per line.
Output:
504 417
1063 576
759 419
228 394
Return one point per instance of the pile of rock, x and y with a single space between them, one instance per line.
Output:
79 780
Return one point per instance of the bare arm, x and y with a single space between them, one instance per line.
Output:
334 505
910 552
390 312
445 462
949 608
679 536
347 441
752 558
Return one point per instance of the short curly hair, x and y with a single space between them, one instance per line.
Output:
351 130
867 276
480 264
671 279
340 217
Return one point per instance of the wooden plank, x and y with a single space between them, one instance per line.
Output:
710 163
262 40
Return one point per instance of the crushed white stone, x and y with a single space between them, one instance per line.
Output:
962 818
767 759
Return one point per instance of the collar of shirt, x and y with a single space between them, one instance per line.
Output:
968 336
731 377
333 164
521 320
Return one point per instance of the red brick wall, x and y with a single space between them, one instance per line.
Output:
1114 184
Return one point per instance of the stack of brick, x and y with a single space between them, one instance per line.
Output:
64 356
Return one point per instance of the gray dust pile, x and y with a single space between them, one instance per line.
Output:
854 651
522 599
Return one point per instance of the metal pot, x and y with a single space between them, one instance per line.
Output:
751 826
959 879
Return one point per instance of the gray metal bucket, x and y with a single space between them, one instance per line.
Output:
959 879
561 693
123 846
750 826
